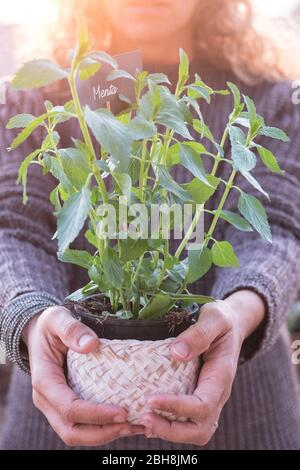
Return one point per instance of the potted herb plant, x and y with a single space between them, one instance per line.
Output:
138 296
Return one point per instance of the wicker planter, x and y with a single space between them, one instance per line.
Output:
132 362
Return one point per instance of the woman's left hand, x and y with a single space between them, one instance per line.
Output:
217 336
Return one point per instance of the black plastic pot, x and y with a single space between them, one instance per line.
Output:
113 328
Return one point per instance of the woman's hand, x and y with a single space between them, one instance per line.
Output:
218 336
77 422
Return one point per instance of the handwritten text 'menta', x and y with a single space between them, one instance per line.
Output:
101 93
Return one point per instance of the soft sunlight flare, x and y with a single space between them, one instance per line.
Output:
275 7
28 13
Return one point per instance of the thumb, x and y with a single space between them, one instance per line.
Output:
197 338
73 334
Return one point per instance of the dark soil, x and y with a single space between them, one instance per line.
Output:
96 309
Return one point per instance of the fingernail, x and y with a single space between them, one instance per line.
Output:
151 436
119 419
180 349
84 340
152 403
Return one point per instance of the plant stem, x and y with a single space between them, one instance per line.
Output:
137 269
218 157
199 211
164 269
86 134
168 138
142 170
220 207
123 300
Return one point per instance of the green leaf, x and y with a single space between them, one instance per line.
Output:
222 92
112 268
20 121
103 165
75 166
140 128
51 141
28 130
116 74
200 191
83 40
171 121
199 263
159 78
104 58
72 218
55 199
196 146
154 90
236 220
55 167
91 238
124 314
183 73
255 183
199 299
269 159
193 163
250 108
167 182
78 257
196 92
125 184
158 306
243 159
274 133
38 73
83 293
253 211
23 170
202 129
133 249
236 93
87 71
237 136
111 134
174 150
223 255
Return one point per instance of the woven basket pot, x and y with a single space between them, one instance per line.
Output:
123 371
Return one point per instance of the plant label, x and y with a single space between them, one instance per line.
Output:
98 92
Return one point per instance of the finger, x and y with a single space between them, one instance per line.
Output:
174 431
74 334
215 380
89 435
214 321
49 382
181 406
95 436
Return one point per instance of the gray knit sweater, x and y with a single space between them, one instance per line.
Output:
263 411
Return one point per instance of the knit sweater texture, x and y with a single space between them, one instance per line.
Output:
263 411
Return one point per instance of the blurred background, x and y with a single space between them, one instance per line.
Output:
28 27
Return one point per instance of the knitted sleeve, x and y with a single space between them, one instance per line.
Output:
31 278
271 270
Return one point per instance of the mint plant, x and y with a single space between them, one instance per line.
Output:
138 149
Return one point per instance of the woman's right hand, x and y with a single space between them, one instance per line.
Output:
77 422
